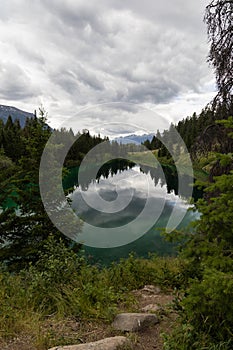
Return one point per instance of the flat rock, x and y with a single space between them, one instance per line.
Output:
132 322
112 343
151 308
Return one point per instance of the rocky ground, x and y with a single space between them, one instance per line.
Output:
134 330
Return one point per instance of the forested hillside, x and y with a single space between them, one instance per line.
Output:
21 149
201 133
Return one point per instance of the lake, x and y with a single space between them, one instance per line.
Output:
111 204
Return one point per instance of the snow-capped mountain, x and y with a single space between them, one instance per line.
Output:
137 139
15 113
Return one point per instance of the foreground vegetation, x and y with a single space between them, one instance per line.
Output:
63 286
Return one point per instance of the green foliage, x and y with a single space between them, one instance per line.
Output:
24 224
189 128
208 304
205 305
62 285
134 273
183 339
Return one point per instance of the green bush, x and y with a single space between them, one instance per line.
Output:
209 306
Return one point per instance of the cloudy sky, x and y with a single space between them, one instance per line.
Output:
71 55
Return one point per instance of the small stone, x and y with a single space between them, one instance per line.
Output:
151 289
151 308
133 322
112 343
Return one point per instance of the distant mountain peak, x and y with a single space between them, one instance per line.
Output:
133 138
15 113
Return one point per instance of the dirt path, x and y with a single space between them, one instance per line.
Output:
151 338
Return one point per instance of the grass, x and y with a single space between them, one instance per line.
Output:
68 291
148 158
64 300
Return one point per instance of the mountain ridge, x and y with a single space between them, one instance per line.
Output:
15 113
133 138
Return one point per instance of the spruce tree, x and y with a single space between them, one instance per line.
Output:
25 226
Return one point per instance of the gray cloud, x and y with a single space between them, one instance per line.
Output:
71 80
76 53
15 83
67 81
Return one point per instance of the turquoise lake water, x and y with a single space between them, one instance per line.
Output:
95 200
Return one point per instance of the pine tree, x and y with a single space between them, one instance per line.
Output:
25 227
